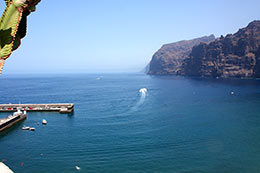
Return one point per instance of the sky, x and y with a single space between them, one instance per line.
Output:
109 36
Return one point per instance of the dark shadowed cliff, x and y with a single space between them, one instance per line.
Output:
169 59
236 55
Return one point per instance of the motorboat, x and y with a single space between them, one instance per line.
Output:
26 128
44 121
32 129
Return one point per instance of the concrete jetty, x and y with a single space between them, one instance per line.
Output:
4 168
59 107
5 123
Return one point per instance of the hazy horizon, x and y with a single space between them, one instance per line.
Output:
118 36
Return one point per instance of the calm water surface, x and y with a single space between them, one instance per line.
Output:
179 125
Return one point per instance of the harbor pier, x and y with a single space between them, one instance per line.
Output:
58 107
19 115
11 120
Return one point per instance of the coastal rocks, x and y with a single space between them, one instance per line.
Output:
168 60
236 55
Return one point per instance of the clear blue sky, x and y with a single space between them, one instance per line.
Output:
118 35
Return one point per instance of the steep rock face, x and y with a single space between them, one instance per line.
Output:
236 55
169 59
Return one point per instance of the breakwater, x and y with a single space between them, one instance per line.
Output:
11 120
59 107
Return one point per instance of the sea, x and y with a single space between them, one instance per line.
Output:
133 123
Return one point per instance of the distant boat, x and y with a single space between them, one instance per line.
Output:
44 122
77 167
32 129
26 128
18 112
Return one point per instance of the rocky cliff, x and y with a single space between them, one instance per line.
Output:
169 58
236 55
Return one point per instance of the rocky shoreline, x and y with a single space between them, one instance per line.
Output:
235 55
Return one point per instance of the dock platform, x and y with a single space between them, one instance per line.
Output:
11 120
58 107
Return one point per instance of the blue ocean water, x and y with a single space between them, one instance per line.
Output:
179 125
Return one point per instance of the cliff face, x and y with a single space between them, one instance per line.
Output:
236 55
169 59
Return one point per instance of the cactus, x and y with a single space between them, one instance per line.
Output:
13 26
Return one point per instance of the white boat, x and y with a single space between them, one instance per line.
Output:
25 128
28 128
77 167
18 112
44 122
32 129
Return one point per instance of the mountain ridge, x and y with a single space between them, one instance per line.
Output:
235 55
169 58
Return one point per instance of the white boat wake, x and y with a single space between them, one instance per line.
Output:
143 94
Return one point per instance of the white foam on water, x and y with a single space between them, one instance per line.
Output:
77 167
143 95
143 92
